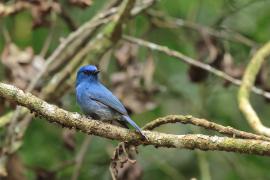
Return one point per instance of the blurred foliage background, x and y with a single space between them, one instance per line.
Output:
150 84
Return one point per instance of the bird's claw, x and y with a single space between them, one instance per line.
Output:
144 137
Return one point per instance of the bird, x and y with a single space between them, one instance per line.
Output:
98 102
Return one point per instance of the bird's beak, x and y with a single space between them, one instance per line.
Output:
97 71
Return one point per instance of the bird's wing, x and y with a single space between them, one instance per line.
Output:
101 94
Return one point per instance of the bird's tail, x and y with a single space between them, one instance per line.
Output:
132 123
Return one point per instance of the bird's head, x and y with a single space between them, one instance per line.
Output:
87 73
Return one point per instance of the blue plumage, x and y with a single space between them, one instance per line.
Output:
97 101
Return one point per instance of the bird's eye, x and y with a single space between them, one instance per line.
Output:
87 72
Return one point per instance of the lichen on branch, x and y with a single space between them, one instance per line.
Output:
67 119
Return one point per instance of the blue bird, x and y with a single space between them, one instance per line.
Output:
97 101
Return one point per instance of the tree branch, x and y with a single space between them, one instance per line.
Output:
229 131
80 157
162 20
244 91
193 62
73 120
6 10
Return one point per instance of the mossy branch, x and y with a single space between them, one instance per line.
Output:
188 119
73 120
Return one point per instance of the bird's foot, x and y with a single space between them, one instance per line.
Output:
86 116
144 137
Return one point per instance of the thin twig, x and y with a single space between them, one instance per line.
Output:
162 20
203 166
6 10
80 157
244 91
112 173
59 78
6 35
141 6
68 19
232 11
193 62
49 37
229 131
